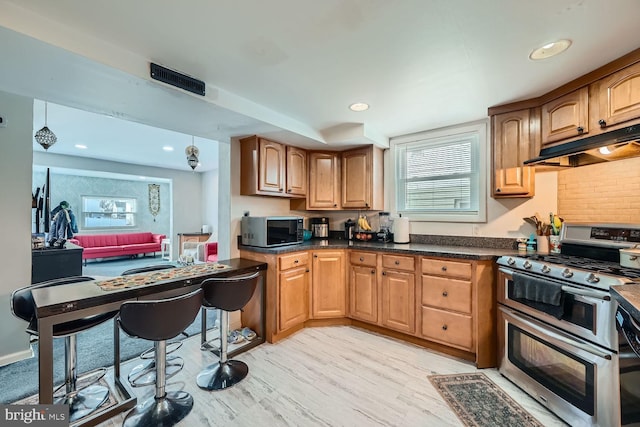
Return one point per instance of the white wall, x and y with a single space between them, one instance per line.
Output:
210 201
15 175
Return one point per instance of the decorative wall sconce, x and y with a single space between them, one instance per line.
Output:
44 136
192 153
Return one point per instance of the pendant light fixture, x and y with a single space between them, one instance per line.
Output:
44 136
192 154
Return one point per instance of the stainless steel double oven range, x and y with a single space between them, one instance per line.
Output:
558 338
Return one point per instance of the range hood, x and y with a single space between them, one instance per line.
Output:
614 145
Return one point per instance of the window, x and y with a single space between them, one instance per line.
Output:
441 175
108 212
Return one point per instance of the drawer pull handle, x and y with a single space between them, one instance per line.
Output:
444 268
361 258
397 263
295 262
445 293
444 327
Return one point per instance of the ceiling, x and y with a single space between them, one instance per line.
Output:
289 69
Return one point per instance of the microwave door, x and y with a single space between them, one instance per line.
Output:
281 231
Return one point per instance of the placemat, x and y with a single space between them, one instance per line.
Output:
143 279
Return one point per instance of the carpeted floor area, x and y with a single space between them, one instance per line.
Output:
95 346
479 402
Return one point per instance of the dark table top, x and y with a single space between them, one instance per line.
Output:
463 252
75 296
628 296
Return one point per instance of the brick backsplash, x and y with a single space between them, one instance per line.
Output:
605 192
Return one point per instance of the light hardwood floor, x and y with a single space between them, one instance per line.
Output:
330 376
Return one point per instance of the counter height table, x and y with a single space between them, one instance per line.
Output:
64 303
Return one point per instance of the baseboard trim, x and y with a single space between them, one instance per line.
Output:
8 359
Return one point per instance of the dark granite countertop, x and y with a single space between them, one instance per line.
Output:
437 250
628 296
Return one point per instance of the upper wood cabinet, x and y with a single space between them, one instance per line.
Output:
324 181
296 172
362 186
264 169
328 285
565 117
618 98
513 143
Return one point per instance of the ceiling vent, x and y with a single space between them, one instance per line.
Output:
176 79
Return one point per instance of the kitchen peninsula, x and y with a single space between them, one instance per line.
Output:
439 296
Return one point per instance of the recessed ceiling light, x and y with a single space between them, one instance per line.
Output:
81 146
550 49
167 148
359 106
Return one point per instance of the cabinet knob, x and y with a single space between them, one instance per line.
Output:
307 270
580 129
296 261
397 263
280 189
444 268
289 190
384 273
445 293
373 272
315 256
497 190
444 327
366 205
602 123
335 205
361 258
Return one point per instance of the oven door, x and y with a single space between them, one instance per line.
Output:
575 379
588 313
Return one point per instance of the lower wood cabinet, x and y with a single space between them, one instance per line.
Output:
293 297
328 284
398 300
363 286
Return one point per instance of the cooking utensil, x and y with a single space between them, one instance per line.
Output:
630 257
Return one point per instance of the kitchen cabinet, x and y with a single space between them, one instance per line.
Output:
293 290
565 117
328 285
514 141
324 181
363 286
616 99
268 168
398 293
362 186
457 306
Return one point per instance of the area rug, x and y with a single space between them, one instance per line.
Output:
479 402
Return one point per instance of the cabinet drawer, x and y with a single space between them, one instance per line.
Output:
395 262
449 294
447 328
363 258
441 267
293 260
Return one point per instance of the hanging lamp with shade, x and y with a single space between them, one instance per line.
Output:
192 153
44 136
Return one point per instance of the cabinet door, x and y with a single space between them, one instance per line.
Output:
566 117
328 284
398 301
356 179
619 97
324 181
271 167
512 145
293 298
363 286
296 171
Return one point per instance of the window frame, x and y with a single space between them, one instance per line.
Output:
448 134
83 213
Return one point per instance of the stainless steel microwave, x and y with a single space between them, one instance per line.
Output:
268 231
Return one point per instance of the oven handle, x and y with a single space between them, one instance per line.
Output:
547 332
605 296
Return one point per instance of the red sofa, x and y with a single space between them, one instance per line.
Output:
119 244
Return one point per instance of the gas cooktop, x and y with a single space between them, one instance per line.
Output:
588 264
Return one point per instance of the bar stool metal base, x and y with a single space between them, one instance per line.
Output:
85 401
222 375
165 411
145 373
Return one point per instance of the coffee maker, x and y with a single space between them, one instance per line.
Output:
320 227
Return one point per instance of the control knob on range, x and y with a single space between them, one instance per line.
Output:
527 264
545 268
566 273
592 278
511 261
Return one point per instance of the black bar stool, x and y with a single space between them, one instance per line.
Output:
145 373
160 320
226 294
82 401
